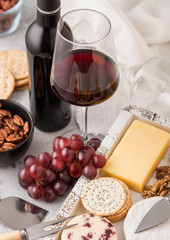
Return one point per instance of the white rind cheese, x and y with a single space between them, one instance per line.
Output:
135 215
90 227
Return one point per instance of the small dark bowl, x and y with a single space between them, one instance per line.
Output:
10 156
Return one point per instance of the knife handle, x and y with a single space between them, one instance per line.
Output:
11 236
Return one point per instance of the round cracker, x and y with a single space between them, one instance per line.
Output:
7 83
104 196
21 88
121 215
21 82
128 201
16 62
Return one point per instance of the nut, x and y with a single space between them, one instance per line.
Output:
10 123
162 171
18 121
14 138
21 132
4 133
13 129
161 187
5 113
8 130
6 21
7 4
1 137
7 146
26 127
164 193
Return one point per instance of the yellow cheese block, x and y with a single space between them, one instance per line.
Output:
138 154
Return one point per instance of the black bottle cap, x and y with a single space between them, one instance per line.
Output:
48 5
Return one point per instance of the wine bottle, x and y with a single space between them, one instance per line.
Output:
50 112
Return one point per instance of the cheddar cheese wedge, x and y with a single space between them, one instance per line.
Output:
138 154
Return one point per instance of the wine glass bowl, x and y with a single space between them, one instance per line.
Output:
92 80
84 70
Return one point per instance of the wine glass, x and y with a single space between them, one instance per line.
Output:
84 70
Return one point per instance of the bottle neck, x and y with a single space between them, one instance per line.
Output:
48 20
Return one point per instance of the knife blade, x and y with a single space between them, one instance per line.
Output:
156 215
25 212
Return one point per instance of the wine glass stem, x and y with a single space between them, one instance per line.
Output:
84 122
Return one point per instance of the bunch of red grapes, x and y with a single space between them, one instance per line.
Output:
50 175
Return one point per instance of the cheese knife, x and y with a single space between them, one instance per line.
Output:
156 215
27 214
36 231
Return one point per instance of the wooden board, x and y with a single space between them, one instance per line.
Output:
72 204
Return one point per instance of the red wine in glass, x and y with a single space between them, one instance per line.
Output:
84 69
85 77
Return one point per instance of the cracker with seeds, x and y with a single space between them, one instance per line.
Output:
21 88
108 197
16 62
22 82
7 83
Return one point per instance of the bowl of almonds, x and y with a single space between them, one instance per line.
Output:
16 131
10 15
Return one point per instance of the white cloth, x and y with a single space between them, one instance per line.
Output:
141 30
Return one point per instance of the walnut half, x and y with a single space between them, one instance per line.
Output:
161 187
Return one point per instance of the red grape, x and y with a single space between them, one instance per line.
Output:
36 191
90 149
22 184
68 164
73 181
29 189
68 154
75 170
65 176
37 171
50 176
89 171
64 142
57 164
25 176
56 143
29 160
83 157
75 136
44 159
60 187
30 208
98 161
77 144
56 153
50 195
94 142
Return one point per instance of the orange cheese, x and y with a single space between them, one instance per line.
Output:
138 154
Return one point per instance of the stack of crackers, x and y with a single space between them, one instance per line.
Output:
108 197
14 75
